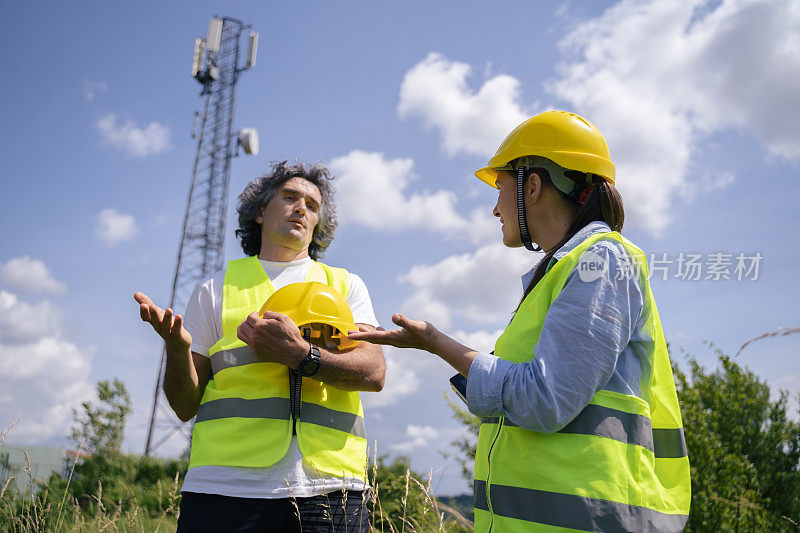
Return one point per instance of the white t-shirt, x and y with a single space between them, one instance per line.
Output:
289 477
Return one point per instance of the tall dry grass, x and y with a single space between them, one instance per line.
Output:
40 509
399 502
408 504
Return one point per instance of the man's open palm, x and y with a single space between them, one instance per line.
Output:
168 325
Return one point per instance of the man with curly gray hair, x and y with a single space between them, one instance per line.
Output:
260 192
278 442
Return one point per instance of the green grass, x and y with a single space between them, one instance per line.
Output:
131 493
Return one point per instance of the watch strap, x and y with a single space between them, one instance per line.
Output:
312 362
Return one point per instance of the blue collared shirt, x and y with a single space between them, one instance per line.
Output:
593 338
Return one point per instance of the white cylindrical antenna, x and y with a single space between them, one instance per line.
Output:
194 124
214 35
248 138
252 48
197 59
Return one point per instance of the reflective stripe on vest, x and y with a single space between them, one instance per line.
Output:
278 408
571 511
620 465
625 427
244 418
240 356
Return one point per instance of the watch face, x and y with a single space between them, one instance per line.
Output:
309 367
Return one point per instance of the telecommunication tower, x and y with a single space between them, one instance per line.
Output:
216 65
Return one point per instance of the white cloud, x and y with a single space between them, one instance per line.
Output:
407 372
469 121
657 77
113 227
709 182
24 274
483 227
93 88
45 376
480 287
419 436
402 377
21 322
480 340
372 192
136 141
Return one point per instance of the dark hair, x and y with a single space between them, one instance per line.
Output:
603 203
260 191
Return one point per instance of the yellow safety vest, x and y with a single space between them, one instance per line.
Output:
619 465
245 419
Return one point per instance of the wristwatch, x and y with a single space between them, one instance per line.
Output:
312 362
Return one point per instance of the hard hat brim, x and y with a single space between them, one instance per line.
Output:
487 175
569 160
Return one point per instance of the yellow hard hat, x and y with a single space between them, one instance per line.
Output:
312 302
565 138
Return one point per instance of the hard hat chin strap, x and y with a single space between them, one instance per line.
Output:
523 222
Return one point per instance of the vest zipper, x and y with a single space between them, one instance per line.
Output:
489 474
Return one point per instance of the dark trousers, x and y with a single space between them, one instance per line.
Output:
336 512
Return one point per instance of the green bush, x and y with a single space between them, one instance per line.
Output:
744 451
126 493
125 480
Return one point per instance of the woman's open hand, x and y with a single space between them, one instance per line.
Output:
412 334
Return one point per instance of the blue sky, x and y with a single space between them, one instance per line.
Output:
698 101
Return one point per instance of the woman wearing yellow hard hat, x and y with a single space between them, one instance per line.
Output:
581 427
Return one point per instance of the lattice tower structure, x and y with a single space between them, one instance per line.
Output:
201 250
